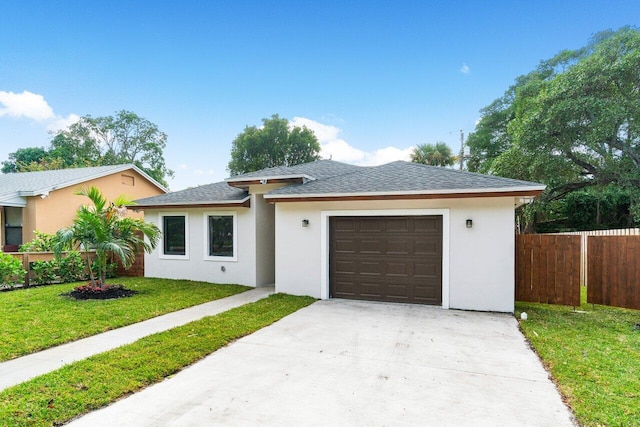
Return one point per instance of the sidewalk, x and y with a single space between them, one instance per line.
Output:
24 368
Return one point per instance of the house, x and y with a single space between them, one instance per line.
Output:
399 232
45 200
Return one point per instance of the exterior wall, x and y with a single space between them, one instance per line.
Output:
265 241
478 266
59 208
194 266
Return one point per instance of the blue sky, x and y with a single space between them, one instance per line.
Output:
372 78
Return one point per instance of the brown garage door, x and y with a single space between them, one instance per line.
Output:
397 258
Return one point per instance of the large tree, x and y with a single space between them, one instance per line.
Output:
273 144
572 123
23 157
438 154
99 141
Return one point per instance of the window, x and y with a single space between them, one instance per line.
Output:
13 226
221 236
174 235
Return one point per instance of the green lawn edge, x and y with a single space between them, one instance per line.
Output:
593 355
87 385
37 318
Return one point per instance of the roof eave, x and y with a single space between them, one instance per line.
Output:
246 202
279 179
403 195
47 189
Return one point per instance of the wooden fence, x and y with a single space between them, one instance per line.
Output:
584 244
136 270
614 273
29 257
548 269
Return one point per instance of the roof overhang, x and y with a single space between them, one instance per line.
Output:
13 200
530 192
282 179
245 203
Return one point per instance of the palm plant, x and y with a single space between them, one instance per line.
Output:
438 154
104 228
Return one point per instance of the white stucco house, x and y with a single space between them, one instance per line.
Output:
399 232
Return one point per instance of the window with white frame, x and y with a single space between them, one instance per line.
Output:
175 242
221 236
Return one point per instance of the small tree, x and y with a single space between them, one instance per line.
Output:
104 228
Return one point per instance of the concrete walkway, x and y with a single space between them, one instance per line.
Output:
24 368
353 363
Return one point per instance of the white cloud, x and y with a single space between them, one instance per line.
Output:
465 69
63 122
336 148
32 106
25 105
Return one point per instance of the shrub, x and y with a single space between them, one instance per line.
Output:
11 271
44 272
42 243
71 267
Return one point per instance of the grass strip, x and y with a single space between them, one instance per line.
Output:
34 319
594 356
83 386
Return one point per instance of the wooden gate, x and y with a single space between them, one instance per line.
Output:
548 269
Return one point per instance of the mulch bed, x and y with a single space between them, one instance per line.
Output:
107 292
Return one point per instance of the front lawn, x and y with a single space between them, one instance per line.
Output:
37 318
594 356
83 386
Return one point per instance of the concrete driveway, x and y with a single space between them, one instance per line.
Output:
355 363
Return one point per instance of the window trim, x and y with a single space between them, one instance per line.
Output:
161 217
205 219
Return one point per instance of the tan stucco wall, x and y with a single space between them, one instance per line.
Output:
59 208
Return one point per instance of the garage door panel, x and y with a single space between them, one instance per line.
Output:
396 259
398 246
427 247
371 246
428 224
370 225
397 225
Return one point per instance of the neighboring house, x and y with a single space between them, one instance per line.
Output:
45 200
400 232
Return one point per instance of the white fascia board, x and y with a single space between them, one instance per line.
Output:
414 192
13 200
198 203
271 177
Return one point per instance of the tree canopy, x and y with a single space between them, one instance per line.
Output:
572 123
276 143
438 154
99 141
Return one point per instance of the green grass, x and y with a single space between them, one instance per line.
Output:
594 356
33 319
92 383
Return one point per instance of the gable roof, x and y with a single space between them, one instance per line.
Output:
319 169
407 180
14 187
217 194
330 180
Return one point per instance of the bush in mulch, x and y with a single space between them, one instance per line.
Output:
95 292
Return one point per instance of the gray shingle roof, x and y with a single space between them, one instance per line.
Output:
335 178
405 177
217 193
24 184
320 169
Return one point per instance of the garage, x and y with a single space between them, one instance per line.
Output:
390 258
